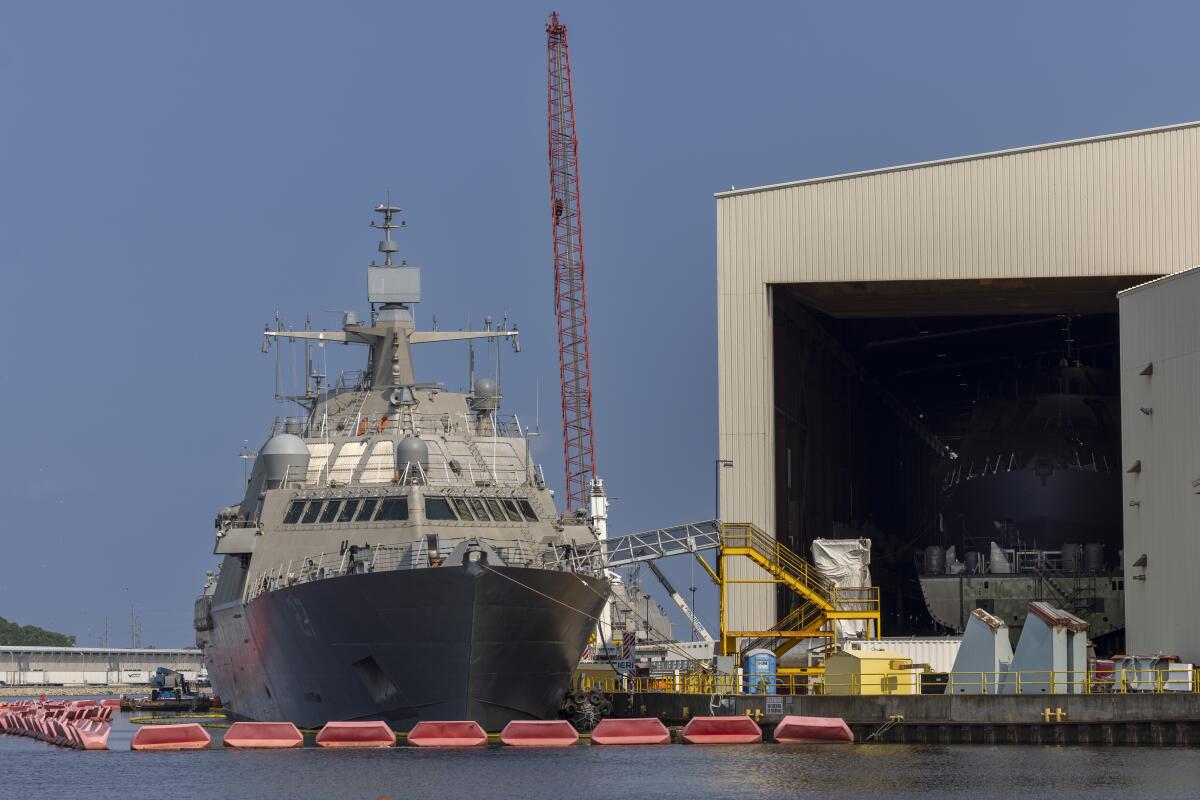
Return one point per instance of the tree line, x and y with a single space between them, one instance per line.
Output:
13 634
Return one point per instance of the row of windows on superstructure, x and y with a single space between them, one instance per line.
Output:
394 509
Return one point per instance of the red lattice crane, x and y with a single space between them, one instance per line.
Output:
570 294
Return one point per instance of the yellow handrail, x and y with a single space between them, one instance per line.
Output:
913 682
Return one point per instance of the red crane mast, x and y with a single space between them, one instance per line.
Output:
570 293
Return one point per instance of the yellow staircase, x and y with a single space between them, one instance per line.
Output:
821 601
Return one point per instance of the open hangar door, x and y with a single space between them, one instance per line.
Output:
953 413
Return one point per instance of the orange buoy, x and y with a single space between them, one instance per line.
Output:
536 733
722 730
356 734
186 736
631 731
263 735
466 733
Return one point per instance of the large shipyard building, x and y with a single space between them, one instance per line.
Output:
1160 416
928 356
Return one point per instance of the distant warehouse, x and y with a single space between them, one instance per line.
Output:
92 666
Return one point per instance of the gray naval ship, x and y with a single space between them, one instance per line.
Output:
397 555
1032 507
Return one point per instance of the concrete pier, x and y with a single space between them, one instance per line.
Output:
1126 719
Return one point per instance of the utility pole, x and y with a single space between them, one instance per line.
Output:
135 629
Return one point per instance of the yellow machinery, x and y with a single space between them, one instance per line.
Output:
859 672
821 604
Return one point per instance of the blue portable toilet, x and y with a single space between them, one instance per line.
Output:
758 666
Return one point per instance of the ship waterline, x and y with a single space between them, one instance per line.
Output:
465 642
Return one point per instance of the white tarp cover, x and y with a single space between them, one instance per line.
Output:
999 563
847 563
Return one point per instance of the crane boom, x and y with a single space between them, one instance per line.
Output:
679 601
570 292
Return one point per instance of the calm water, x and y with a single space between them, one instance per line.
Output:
30 769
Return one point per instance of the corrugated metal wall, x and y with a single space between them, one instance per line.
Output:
1118 205
1160 325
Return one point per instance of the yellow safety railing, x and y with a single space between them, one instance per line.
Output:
911 682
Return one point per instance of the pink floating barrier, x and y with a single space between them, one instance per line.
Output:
263 735
187 736
82 703
807 730
111 703
94 735
535 733
722 730
356 734
466 733
72 737
631 731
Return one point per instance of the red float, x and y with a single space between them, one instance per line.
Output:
466 733
722 730
535 733
356 734
810 730
263 735
94 735
187 736
631 731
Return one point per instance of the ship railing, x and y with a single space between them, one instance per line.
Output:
383 558
1008 461
1183 679
355 424
440 475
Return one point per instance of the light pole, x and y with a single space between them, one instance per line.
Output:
720 464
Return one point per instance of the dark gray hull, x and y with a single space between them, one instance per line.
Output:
446 643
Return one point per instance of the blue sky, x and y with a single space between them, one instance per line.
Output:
174 173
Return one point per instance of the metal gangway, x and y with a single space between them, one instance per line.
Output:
633 548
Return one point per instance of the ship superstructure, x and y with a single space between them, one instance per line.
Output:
397 554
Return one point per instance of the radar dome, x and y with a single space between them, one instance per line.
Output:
411 452
485 395
284 455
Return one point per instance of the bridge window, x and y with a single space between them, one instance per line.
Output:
392 509
510 508
438 508
331 510
463 508
527 510
348 509
310 513
480 510
494 507
366 510
293 513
